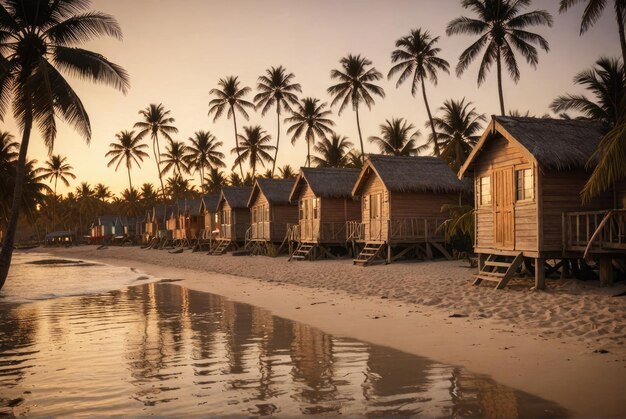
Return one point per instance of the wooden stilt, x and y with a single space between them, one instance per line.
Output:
481 261
429 251
606 271
389 256
540 274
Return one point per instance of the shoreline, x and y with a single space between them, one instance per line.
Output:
535 358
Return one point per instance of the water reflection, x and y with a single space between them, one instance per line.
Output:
163 349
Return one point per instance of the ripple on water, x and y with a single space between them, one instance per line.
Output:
161 349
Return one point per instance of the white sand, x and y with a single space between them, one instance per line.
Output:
539 342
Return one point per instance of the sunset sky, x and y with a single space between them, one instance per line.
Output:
175 52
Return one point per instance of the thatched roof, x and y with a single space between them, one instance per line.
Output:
194 206
237 197
554 144
161 212
210 202
410 174
326 182
106 220
276 191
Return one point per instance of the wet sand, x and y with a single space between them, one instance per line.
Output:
548 344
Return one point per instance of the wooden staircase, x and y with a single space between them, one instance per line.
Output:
499 271
220 247
370 252
303 251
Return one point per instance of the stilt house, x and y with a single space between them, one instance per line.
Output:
325 207
401 201
271 213
233 218
528 175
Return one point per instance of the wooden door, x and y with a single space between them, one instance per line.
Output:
503 199
376 213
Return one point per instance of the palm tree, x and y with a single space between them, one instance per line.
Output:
149 196
87 203
354 159
55 168
333 151
102 192
459 130
131 203
128 149
501 30
31 82
174 158
253 146
416 57
234 179
8 149
592 13
215 181
203 152
311 118
396 138
268 174
276 88
179 187
287 172
609 159
355 86
156 120
230 98
606 82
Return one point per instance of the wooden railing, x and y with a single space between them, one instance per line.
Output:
355 231
594 231
314 230
260 230
416 229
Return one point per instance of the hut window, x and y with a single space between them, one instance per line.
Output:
267 213
301 214
484 190
316 208
524 185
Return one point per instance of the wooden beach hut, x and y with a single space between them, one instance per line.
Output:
401 201
528 175
233 219
156 227
271 213
325 207
207 211
103 229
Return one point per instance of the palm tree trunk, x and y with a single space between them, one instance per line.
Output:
500 93
432 123
620 26
358 126
237 141
155 149
277 138
54 203
6 253
130 183
308 153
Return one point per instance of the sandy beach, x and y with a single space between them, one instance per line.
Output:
538 342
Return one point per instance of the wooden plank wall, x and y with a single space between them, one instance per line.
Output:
241 223
561 193
497 154
280 216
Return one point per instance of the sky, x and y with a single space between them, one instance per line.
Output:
177 50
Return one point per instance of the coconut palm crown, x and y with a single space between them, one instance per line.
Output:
128 149
501 28
396 138
309 118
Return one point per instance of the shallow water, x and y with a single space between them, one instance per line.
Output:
161 349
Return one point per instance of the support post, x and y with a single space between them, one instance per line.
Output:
481 261
606 271
389 256
540 274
